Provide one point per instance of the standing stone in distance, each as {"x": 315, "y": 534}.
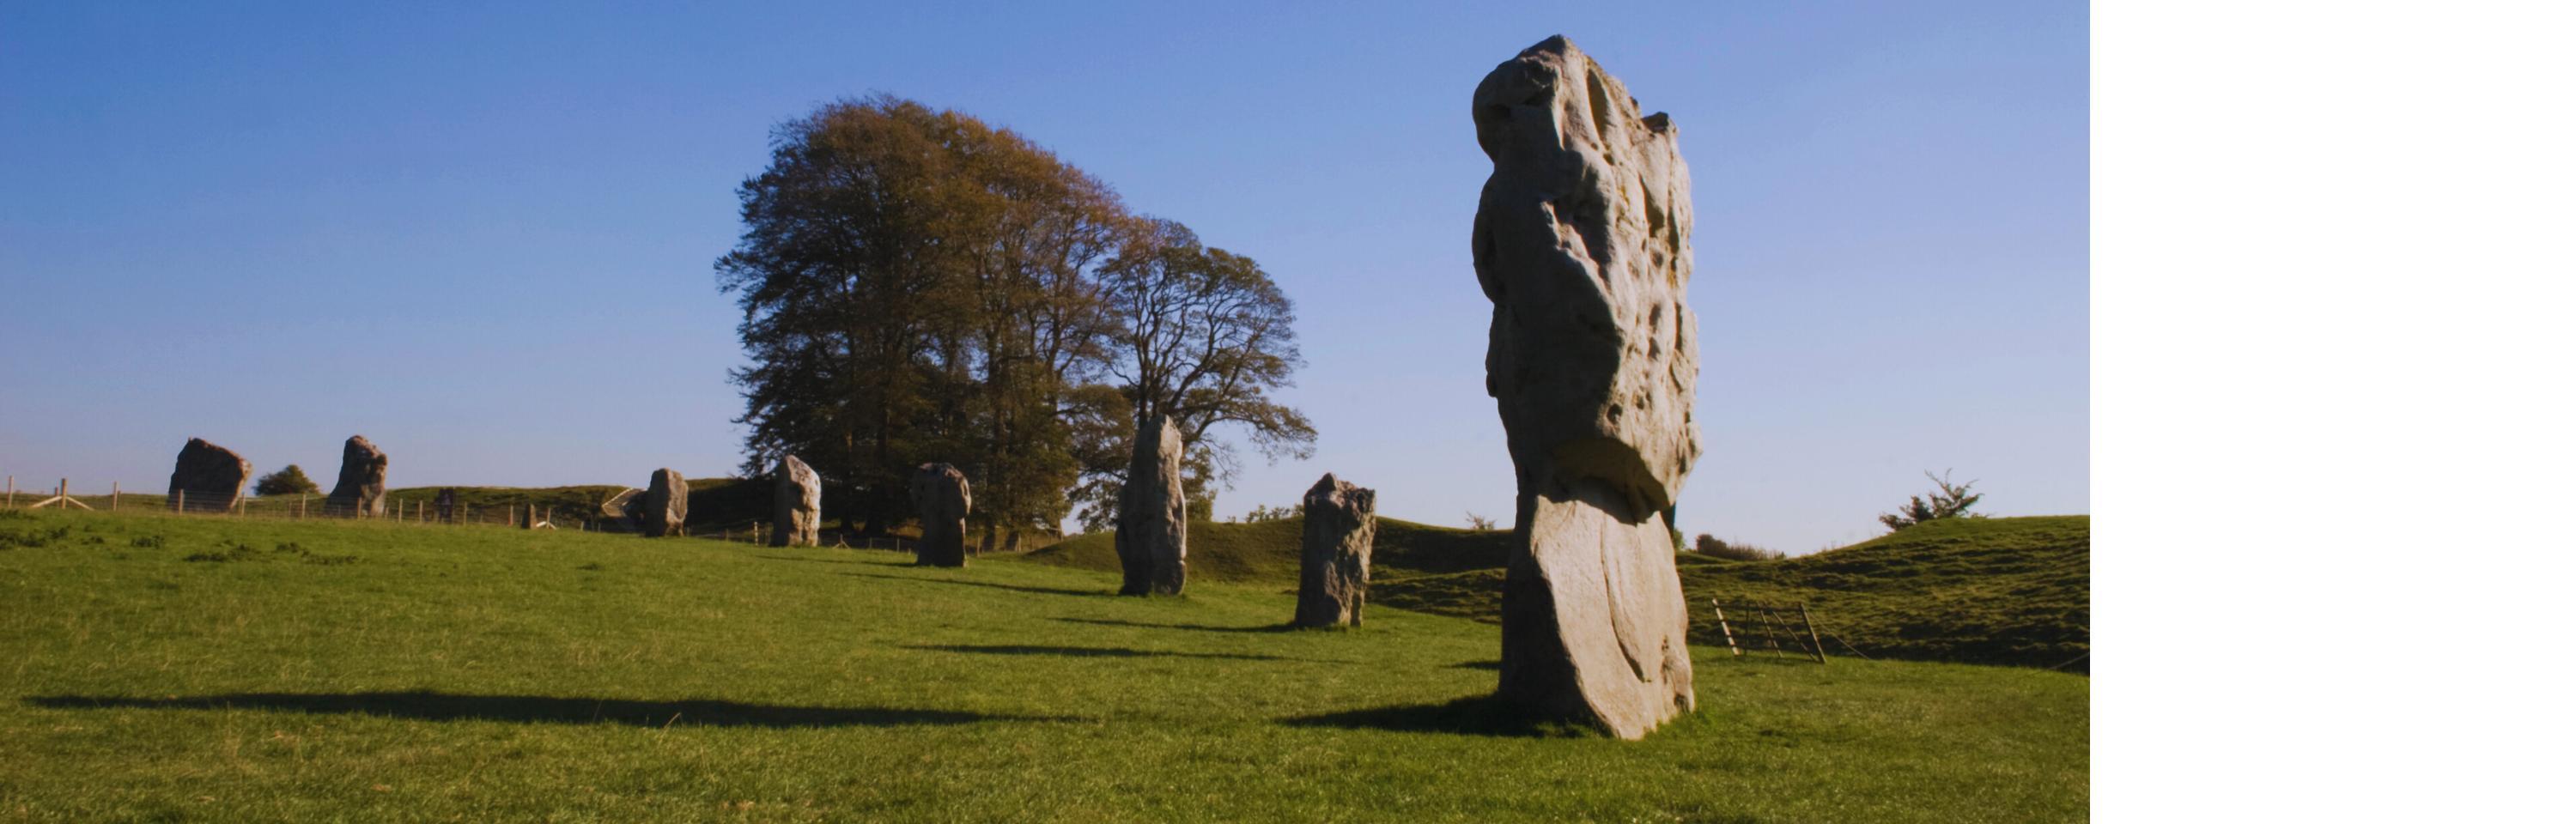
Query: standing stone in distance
{"x": 1341, "y": 529}
{"x": 446, "y": 505}
{"x": 208, "y": 478}
{"x": 361, "y": 490}
{"x": 1582, "y": 242}
{"x": 796, "y": 511}
{"x": 1153, "y": 513}
{"x": 941, "y": 493}
{"x": 663, "y": 509}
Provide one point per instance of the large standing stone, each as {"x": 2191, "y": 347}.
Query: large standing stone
{"x": 1582, "y": 242}
{"x": 1153, "y": 513}
{"x": 796, "y": 510}
{"x": 361, "y": 490}
{"x": 1341, "y": 527}
{"x": 663, "y": 509}
{"x": 207, "y": 478}
{"x": 941, "y": 493}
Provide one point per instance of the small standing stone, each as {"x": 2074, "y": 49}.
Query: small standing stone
{"x": 941, "y": 493}
{"x": 208, "y": 477}
{"x": 1153, "y": 513}
{"x": 447, "y": 505}
{"x": 1341, "y": 527}
{"x": 361, "y": 489}
{"x": 663, "y": 509}
{"x": 796, "y": 513}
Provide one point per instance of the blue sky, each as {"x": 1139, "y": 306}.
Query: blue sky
{"x": 481, "y": 234}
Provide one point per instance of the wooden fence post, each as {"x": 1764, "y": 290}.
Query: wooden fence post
{"x": 115, "y": 491}
{"x": 1723, "y": 629}
{"x": 179, "y": 502}
{"x": 1818, "y": 644}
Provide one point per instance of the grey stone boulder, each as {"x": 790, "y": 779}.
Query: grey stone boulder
{"x": 207, "y": 478}
{"x": 940, "y": 492}
{"x": 622, "y": 505}
{"x": 361, "y": 489}
{"x": 1582, "y": 242}
{"x": 1341, "y": 530}
{"x": 663, "y": 509}
{"x": 796, "y": 509}
{"x": 1153, "y": 513}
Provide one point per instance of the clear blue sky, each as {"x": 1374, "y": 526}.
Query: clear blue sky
{"x": 481, "y": 234}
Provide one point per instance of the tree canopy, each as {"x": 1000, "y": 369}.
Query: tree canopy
{"x": 917, "y": 286}
{"x": 288, "y": 481}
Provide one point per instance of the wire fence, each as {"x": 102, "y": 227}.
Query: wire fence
{"x": 547, "y": 510}
{"x": 413, "y": 508}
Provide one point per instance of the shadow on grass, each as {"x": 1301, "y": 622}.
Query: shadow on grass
{"x": 1104, "y": 652}
{"x": 1488, "y": 666}
{"x": 824, "y": 560}
{"x": 438, "y": 706}
{"x": 1109, "y": 622}
{"x": 1011, "y": 587}
{"x": 1475, "y": 715}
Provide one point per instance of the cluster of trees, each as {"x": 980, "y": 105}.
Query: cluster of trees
{"x": 1260, "y": 514}
{"x": 288, "y": 481}
{"x": 917, "y": 286}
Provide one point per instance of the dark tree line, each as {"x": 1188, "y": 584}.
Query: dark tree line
{"x": 919, "y": 286}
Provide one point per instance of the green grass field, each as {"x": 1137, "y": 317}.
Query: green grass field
{"x": 173, "y": 668}
{"x": 1979, "y": 590}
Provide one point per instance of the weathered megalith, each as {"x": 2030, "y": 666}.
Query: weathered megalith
{"x": 207, "y": 478}
{"x": 941, "y": 493}
{"x": 1153, "y": 513}
{"x": 1341, "y": 527}
{"x": 1582, "y": 241}
{"x": 446, "y": 505}
{"x": 663, "y": 509}
{"x": 361, "y": 490}
{"x": 796, "y": 511}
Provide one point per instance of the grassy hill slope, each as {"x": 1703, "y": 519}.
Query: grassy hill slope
{"x": 166, "y": 668}
{"x": 1983, "y": 590}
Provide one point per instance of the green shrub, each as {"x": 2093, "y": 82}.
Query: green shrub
{"x": 288, "y": 481}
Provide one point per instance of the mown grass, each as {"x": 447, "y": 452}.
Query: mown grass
{"x": 451, "y": 673}
{"x": 1983, "y": 590}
